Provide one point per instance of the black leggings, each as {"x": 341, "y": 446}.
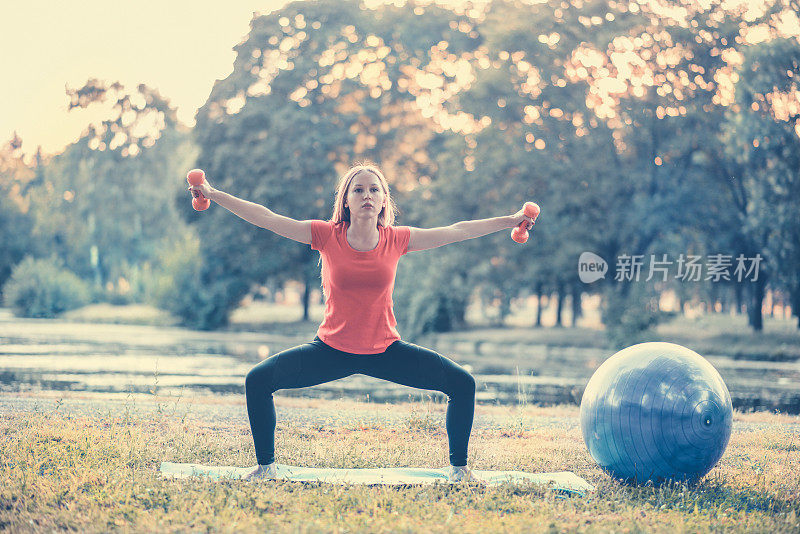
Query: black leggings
{"x": 403, "y": 363}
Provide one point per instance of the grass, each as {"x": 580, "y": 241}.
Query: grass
{"x": 100, "y": 473}
{"x": 141, "y": 314}
{"x": 731, "y": 336}
{"x": 60, "y": 471}
{"x": 717, "y": 334}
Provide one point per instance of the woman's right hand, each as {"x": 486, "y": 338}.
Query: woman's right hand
{"x": 204, "y": 189}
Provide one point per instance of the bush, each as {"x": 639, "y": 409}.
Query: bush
{"x": 175, "y": 273}
{"x": 198, "y": 288}
{"x": 428, "y": 313}
{"x": 630, "y": 316}
{"x": 428, "y": 298}
{"x": 44, "y": 288}
{"x": 178, "y": 286}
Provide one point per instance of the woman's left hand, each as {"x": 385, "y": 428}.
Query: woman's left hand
{"x": 519, "y": 217}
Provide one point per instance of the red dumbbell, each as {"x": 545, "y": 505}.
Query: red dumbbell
{"x": 520, "y": 232}
{"x": 195, "y": 178}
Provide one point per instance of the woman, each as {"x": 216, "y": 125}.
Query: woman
{"x": 359, "y": 249}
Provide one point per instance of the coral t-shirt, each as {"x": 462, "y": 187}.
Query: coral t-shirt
{"x": 358, "y": 287}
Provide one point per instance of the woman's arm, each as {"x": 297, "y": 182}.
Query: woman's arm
{"x": 426, "y": 238}
{"x": 249, "y": 211}
{"x": 258, "y": 215}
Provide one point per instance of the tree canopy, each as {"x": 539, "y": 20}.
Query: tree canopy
{"x": 666, "y": 128}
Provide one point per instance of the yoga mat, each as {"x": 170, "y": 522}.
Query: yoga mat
{"x": 564, "y": 481}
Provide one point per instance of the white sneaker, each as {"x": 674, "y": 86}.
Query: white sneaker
{"x": 262, "y": 472}
{"x": 463, "y": 474}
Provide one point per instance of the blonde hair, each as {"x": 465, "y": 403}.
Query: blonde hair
{"x": 341, "y": 213}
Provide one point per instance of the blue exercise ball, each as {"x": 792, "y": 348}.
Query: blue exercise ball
{"x": 656, "y": 412}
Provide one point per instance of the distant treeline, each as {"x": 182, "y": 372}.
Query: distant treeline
{"x": 662, "y": 138}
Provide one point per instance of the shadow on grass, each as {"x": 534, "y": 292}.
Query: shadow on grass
{"x": 710, "y": 495}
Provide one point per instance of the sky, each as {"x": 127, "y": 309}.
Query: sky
{"x": 179, "y": 47}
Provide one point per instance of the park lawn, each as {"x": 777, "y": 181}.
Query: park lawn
{"x": 100, "y": 473}
{"x": 104, "y": 312}
{"x": 715, "y": 334}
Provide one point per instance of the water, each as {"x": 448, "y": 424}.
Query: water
{"x": 58, "y": 355}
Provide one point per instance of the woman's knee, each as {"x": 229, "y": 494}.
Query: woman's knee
{"x": 279, "y": 371}
{"x": 462, "y": 382}
{"x": 258, "y": 378}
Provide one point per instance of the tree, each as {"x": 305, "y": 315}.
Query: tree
{"x": 315, "y": 87}
{"x": 105, "y": 202}
{"x": 15, "y": 219}
{"x": 609, "y": 114}
{"x": 537, "y": 140}
{"x": 763, "y": 131}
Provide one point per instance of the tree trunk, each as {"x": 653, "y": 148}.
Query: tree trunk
{"x": 307, "y": 301}
{"x": 505, "y": 308}
{"x": 459, "y": 309}
{"x": 560, "y": 308}
{"x": 714, "y": 298}
{"x": 794, "y": 298}
{"x": 539, "y": 298}
{"x": 272, "y": 286}
{"x": 737, "y": 290}
{"x": 577, "y": 305}
{"x": 756, "y": 302}
{"x": 771, "y": 311}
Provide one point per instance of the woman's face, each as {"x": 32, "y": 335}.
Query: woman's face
{"x": 365, "y": 197}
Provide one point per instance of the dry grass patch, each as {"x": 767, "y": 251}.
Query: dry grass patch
{"x": 62, "y": 472}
